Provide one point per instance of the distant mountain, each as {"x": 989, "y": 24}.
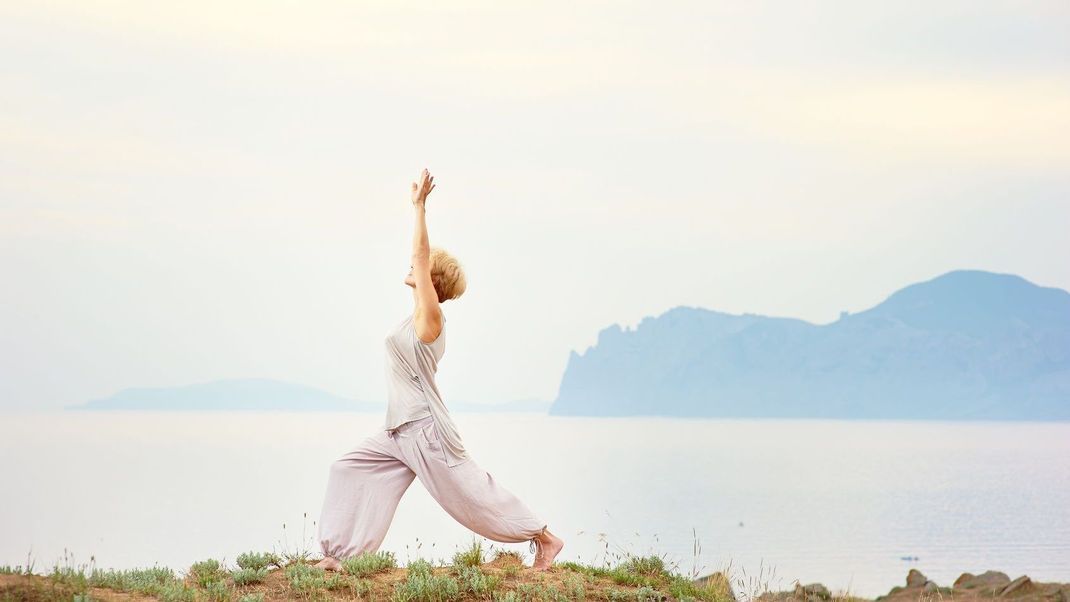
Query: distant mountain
{"x": 968, "y": 344}
{"x": 233, "y": 394}
{"x": 267, "y": 394}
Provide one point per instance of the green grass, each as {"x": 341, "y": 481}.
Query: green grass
{"x": 470, "y": 556}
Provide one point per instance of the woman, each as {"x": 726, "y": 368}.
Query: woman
{"x": 418, "y": 438}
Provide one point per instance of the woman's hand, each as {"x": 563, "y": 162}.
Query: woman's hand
{"x": 424, "y": 188}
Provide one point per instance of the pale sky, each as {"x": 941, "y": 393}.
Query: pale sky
{"x": 194, "y": 191}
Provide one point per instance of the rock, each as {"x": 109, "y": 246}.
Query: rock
{"x": 775, "y": 597}
{"x": 931, "y": 587}
{"x": 988, "y": 582}
{"x": 1021, "y": 585}
{"x": 812, "y": 592}
{"x": 916, "y": 579}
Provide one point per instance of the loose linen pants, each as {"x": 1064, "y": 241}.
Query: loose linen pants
{"x": 365, "y": 486}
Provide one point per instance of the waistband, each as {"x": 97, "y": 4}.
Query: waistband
{"x": 410, "y": 426}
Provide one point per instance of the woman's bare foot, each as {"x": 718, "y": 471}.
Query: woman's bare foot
{"x": 329, "y": 564}
{"x": 549, "y": 546}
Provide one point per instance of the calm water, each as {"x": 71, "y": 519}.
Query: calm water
{"x": 840, "y": 502}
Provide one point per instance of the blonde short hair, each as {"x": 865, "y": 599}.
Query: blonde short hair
{"x": 447, "y": 275}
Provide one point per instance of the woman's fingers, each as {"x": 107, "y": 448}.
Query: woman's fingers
{"x": 426, "y": 185}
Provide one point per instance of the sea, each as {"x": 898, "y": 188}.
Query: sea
{"x": 851, "y": 504}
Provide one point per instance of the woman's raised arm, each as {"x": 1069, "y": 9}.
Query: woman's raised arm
{"x": 427, "y": 317}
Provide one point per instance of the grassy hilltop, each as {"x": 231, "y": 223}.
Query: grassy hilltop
{"x": 475, "y": 574}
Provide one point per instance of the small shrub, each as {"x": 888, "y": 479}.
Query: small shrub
{"x": 538, "y": 591}
{"x": 369, "y": 563}
{"x": 473, "y": 580}
{"x": 275, "y": 559}
{"x": 575, "y": 587}
{"x": 305, "y": 578}
{"x": 334, "y": 581}
{"x": 217, "y": 591}
{"x": 362, "y": 587}
{"x": 642, "y": 595}
{"x": 252, "y": 560}
{"x": 422, "y": 585}
{"x": 206, "y": 572}
{"x": 419, "y": 567}
{"x": 177, "y": 592}
{"x": 247, "y": 576}
{"x": 648, "y": 594}
{"x": 254, "y": 597}
{"x": 146, "y": 581}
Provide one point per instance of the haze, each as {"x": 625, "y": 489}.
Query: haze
{"x": 193, "y": 191}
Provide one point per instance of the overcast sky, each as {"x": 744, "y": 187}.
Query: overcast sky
{"x": 193, "y": 191}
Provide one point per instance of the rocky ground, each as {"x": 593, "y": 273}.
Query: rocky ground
{"x": 989, "y": 585}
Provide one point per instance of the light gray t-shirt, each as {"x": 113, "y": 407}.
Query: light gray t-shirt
{"x": 412, "y": 394}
